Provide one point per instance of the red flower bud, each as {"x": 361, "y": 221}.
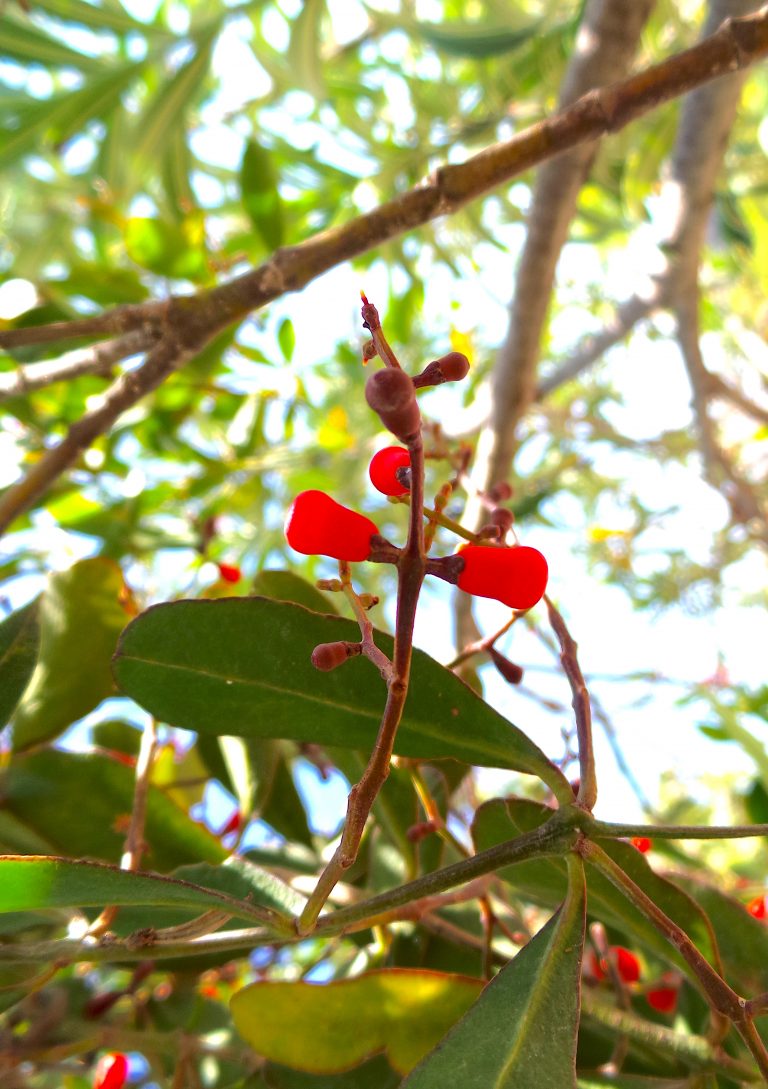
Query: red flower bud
{"x": 111, "y": 1071}
{"x": 229, "y": 572}
{"x": 756, "y": 907}
{"x": 515, "y": 576}
{"x": 663, "y": 999}
{"x": 327, "y": 656}
{"x": 448, "y": 368}
{"x": 390, "y": 392}
{"x": 642, "y": 843}
{"x": 510, "y": 671}
{"x": 627, "y": 965}
{"x": 319, "y": 526}
{"x": 384, "y": 466}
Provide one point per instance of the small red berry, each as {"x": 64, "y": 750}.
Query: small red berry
{"x": 383, "y": 467}
{"x": 663, "y": 999}
{"x": 229, "y": 572}
{"x": 111, "y": 1071}
{"x": 756, "y": 907}
{"x": 627, "y": 965}
{"x": 642, "y": 843}
{"x": 319, "y": 526}
{"x": 515, "y": 576}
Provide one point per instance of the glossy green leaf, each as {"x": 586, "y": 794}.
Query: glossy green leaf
{"x": 476, "y": 40}
{"x": 81, "y": 616}
{"x": 101, "y": 17}
{"x": 375, "y": 1074}
{"x": 19, "y": 644}
{"x": 631, "y": 1081}
{"x": 34, "y": 883}
{"x": 305, "y": 46}
{"x": 308, "y": 1026}
{"x": 78, "y": 805}
{"x": 544, "y": 881}
{"x": 521, "y": 1033}
{"x": 286, "y": 586}
{"x": 241, "y": 879}
{"x": 246, "y": 663}
{"x": 164, "y": 112}
{"x": 286, "y": 338}
{"x": 259, "y": 194}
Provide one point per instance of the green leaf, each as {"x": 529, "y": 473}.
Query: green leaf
{"x": 286, "y": 338}
{"x": 246, "y": 663}
{"x": 304, "y": 48}
{"x": 81, "y": 616}
{"x": 544, "y": 880}
{"x": 104, "y": 17}
{"x": 243, "y": 880}
{"x": 176, "y": 250}
{"x": 163, "y": 113}
{"x": 521, "y": 1033}
{"x": 375, "y": 1074}
{"x": 260, "y": 195}
{"x": 630, "y": 1081}
{"x": 285, "y": 586}
{"x": 476, "y": 40}
{"x": 19, "y": 643}
{"x": 276, "y": 799}
{"x": 33, "y": 883}
{"x": 399, "y": 1011}
{"x": 22, "y": 41}
{"x": 79, "y": 804}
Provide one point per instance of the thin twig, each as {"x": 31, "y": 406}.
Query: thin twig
{"x": 369, "y": 648}
{"x": 587, "y": 795}
{"x": 98, "y": 360}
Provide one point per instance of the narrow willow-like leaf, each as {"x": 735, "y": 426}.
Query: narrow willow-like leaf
{"x": 31, "y": 883}
{"x": 259, "y": 194}
{"x": 173, "y": 98}
{"x": 242, "y": 666}
{"x": 19, "y": 643}
{"x": 304, "y": 48}
{"x": 521, "y": 1033}
{"x": 21, "y": 40}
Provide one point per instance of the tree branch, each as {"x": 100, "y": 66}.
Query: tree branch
{"x": 99, "y": 360}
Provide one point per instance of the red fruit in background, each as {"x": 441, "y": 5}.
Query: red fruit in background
{"x": 383, "y": 467}
{"x": 319, "y": 526}
{"x": 229, "y": 572}
{"x": 642, "y": 843}
{"x": 627, "y": 965}
{"x": 663, "y": 999}
{"x": 515, "y": 576}
{"x": 234, "y": 824}
{"x": 111, "y": 1071}
{"x": 756, "y": 907}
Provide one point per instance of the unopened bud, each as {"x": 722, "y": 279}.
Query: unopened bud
{"x": 369, "y": 351}
{"x": 328, "y": 656}
{"x": 500, "y": 492}
{"x": 510, "y": 671}
{"x": 449, "y": 368}
{"x": 390, "y": 393}
{"x": 334, "y": 585}
{"x": 368, "y": 601}
{"x": 420, "y": 831}
{"x": 489, "y": 533}
{"x": 502, "y": 518}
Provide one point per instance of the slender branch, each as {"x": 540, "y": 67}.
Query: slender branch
{"x": 594, "y": 346}
{"x": 145, "y": 316}
{"x": 608, "y": 830}
{"x": 369, "y": 648}
{"x": 98, "y": 360}
{"x": 726, "y": 392}
{"x": 587, "y": 795}
{"x": 411, "y": 568}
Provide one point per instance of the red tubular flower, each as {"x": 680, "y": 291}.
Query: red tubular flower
{"x": 384, "y": 466}
{"x": 627, "y": 965}
{"x": 515, "y": 576}
{"x": 642, "y": 843}
{"x": 319, "y": 526}
{"x": 111, "y": 1071}
{"x": 663, "y": 999}
{"x": 756, "y": 907}
{"x": 229, "y": 572}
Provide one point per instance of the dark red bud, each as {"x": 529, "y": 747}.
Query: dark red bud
{"x": 502, "y": 518}
{"x": 500, "y": 492}
{"x": 328, "y": 656}
{"x": 390, "y": 393}
{"x": 449, "y": 368}
{"x": 510, "y": 671}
